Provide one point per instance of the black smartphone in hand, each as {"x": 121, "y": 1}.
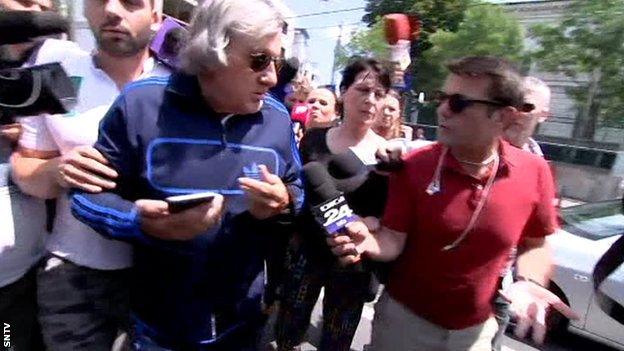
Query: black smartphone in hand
{"x": 183, "y": 202}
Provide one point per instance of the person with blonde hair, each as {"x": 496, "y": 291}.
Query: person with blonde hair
{"x": 389, "y": 122}
{"x": 322, "y": 108}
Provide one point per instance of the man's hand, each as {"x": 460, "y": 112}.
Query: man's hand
{"x": 157, "y": 221}
{"x": 389, "y": 153}
{"x": 11, "y": 132}
{"x": 407, "y": 131}
{"x": 350, "y": 245}
{"x": 85, "y": 168}
{"x": 529, "y": 304}
{"x": 389, "y": 157}
{"x": 268, "y": 197}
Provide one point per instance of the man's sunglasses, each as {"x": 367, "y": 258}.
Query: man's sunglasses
{"x": 457, "y": 102}
{"x": 260, "y": 61}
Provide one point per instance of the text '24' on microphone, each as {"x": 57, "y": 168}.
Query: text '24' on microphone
{"x": 329, "y": 206}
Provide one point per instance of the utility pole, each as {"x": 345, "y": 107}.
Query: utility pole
{"x": 336, "y": 48}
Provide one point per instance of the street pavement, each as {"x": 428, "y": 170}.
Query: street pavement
{"x": 569, "y": 342}
{"x": 362, "y": 337}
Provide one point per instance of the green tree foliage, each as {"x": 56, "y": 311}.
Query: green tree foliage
{"x": 588, "y": 45}
{"x": 368, "y": 42}
{"x": 486, "y": 30}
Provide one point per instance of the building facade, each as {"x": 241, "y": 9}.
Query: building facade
{"x": 589, "y": 170}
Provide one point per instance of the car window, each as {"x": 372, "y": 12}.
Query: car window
{"x": 594, "y": 221}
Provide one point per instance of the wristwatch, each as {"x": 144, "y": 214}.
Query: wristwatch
{"x": 525, "y": 279}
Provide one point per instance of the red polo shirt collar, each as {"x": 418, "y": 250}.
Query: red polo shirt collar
{"x": 507, "y": 160}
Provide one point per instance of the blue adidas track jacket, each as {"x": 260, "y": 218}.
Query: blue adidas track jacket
{"x": 164, "y": 140}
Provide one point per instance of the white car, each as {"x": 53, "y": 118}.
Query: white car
{"x": 587, "y": 231}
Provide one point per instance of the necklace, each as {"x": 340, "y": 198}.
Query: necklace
{"x": 435, "y": 187}
{"x": 485, "y": 162}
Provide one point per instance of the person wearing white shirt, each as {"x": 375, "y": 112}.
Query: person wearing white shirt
{"x": 22, "y": 217}
{"x": 83, "y": 284}
{"x": 519, "y": 133}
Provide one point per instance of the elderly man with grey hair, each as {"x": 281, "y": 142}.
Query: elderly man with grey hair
{"x": 198, "y": 276}
{"x": 519, "y": 133}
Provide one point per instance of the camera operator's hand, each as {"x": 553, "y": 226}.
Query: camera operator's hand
{"x": 85, "y": 168}
{"x": 268, "y": 197}
{"x": 157, "y": 221}
{"x": 11, "y": 132}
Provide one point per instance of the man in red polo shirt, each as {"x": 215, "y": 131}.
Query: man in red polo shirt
{"x": 453, "y": 214}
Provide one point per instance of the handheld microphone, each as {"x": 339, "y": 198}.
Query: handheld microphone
{"x": 398, "y": 34}
{"x": 347, "y": 164}
{"x": 399, "y": 30}
{"x": 366, "y": 191}
{"x": 300, "y": 113}
{"x": 397, "y": 27}
{"x": 21, "y": 26}
{"x": 348, "y": 171}
{"x": 329, "y": 205}
{"x": 288, "y": 72}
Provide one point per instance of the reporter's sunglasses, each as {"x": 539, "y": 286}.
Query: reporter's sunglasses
{"x": 260, "y": 61}
{"x": 457, "y": 102}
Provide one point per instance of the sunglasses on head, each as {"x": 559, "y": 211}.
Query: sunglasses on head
{"x": 457, "y": 102}
{"x": 260, "y": 61}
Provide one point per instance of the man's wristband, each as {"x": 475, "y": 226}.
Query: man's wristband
{"x": 525, "y": 279}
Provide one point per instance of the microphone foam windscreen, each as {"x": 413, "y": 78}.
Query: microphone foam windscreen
{"x": 397, "y": 27}
{"x": 289, "y": 71}
{"x": 318, "y": 183}
{"x": 20, "y": 26}
{"x": 346, "y": 165}
{"x": 300, "y": 113}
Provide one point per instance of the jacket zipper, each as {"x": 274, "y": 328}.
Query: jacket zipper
{"x": 224, "y": 129}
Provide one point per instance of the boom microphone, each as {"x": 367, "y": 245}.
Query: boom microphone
{"x": 21, "y": 26}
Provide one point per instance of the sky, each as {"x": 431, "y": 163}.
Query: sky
{"x": 323, "y": 40}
